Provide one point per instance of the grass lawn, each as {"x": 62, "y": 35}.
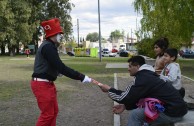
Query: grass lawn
{"x": 187, "y": 67}
{"x": 18, "y": 72}
{"x": 17, "y": 103}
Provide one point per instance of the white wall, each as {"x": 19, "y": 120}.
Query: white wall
{"x": 103, "y": 45}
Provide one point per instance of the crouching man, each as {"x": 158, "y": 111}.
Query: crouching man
{"x": 149, "y": 99}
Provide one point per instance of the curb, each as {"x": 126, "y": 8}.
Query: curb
{"x": 187, "y": 78}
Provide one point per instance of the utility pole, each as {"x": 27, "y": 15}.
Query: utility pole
{"x": 99, "y": 38}
{"x": 131, "y": 36}
{"x": 78, "y": 31}
{"x": 131, "y": 40}
{"x": 136, "y": 27}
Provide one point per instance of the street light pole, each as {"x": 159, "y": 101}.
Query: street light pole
{"x": 99, "y": 38}
{"x": 131, "y": 40}
{"x": 78, "y": 31}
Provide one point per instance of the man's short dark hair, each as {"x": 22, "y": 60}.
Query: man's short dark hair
{"x": 172, "y": 52}
{"x": 136, "y": 60}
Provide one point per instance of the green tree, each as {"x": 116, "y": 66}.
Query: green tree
{"x": 20, "y": 20}
{"x": 71, "y": 44}
{"x": 116, "y": 35}
{"x": 173, "y": 19}
{"x": 5, "y": 15}
{"x": 16, "y": 26}
{"x": 58, "y": 9}
{"x": 93, "y": 37}
{"x": 34, "y": 20}
{"x": 20, "y": 27}
{"x": 145, "y": 47}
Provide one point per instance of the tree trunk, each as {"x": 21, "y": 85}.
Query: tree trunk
{"x": 2, "y": 49}
{"x": 12, "y": 51}
{"x": 17, "y": 48}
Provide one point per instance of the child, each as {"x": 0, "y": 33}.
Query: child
{"x": 171, "y": 71}
{"x": 160, "y": 46}
{"x": 27, "y": 51}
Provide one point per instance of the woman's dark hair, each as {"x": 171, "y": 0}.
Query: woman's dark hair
{"x": 136, "y": 60}
{"x": 172, "y": 52}
{"x": 162, "y": 43}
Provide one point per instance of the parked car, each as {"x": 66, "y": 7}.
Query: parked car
{"x": 124, "y": 53}
{"x": 122, "y": 47}
{"x": 105, "y": 50}
{"x": 108, "y": 54}
{"x": 188, "y": 54}
{"x": 111, "y": 54}
{"x": 21, "y": 51}
{"x": 114, "y": 50}
{"x": 70, "y": 54}
{"x": 105, "y": 54}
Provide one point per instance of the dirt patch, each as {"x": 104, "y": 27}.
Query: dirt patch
{"x": 86, "y": 107}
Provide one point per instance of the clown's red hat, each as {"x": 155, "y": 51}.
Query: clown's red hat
{"x": 52, "y": 27}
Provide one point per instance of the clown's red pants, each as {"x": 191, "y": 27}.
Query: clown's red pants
{"x": 45, "y": 93}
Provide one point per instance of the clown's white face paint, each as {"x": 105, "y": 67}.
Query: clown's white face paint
{"x": 59, "y": 38}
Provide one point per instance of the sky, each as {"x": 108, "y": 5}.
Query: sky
{"x": 114, "y": 15}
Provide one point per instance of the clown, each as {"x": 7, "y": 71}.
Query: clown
{"x": 47, "y": 67}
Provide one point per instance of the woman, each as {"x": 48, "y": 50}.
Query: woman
{"x": 160, "y": 46}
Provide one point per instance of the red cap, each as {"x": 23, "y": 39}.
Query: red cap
{"x": 52, "y": 27}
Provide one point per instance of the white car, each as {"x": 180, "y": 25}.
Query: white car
{"x": 112, "y": 54}
{"x": 108, "y": 54}
{"x": 105, "y": 54}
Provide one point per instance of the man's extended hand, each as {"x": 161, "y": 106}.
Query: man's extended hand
{"x": 103, "y": 87}
{"x": 118, "y": 109}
